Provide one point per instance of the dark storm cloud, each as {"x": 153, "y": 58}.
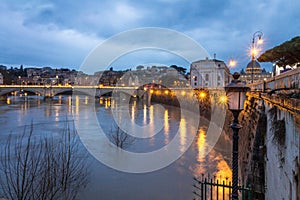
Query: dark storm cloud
{"x": 64, "y": 32}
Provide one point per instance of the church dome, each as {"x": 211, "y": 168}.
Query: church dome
{"x": 253, "y": 64}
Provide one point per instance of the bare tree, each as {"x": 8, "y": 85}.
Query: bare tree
{"x": 120, "y": 138}
{"x": 43, "y": 168}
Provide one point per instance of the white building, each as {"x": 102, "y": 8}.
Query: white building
{"x": 209, "y": 73}
{"x": 1, "y": 79}
{"x": 279, "y": 70}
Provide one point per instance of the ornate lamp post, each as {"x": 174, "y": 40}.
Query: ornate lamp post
{"x": 257, "y": 34}
{"x": 236, "y": 95}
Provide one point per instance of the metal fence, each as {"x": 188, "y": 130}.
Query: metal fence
{"x": 215, "y": 189}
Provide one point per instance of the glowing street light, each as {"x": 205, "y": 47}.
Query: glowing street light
{"x": 232, "y": 63}
{"x": 260, "y": 40}
{"x": 254, "y": 51}
{"x": 236, "y": 94}
{"x": 202, "y": 95}
{"x": 223, "y": 99}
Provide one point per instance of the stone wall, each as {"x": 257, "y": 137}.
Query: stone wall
{"x": 269, "y": 146}
{"x": 269, "y": 151}
{"x": 282, "y": 155}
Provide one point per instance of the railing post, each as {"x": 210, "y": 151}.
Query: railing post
{"x": 211, "y": 189}
{"x": 217, "y": 189}
{"x": 205, "y": 183}
{"x": 223, "y": 190}
{"x": 202, "y": 195}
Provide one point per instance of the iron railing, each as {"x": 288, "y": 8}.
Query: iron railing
{"x": 215, "y": 189}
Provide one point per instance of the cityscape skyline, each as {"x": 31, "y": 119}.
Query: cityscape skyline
{"x": 61, "y": 34}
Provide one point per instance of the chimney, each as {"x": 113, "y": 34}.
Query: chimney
{"x": 215, "y": 55}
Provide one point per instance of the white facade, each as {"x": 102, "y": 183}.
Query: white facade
{"x": 1, "y": 79}
{"x": 283, "y": 162}
{"x": 280, "y": 70}
{"x": 209, "y": 73}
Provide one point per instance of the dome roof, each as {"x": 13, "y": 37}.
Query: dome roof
{"x": 253, "y": 64}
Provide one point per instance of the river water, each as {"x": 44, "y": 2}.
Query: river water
{"x": 171, "y": 182}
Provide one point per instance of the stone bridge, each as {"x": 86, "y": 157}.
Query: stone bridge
{"x": 50, "y": 91}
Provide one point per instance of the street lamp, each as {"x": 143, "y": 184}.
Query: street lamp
{"x": 236, "y": 96}
{"x": 258, "y": 35}
{"x": 232, "y": 63}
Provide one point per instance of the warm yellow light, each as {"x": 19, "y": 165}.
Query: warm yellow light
{"x": 223, "y": 99}
{"x": 260, "y": 41}
{"x": 202, "y": 94}
{"x": 166, "y": 92}
{"x": 183, "y": 93}
{"x": 232, "y": 63}
{"x": 8, "y": 101}
{"x": 145, "y": 88}
{"x": 254, "y": 52}
{"x": 151, "y": 91}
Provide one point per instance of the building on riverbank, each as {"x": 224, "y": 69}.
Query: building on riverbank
{"x": 254, "y": 73}
{"x": 1, "y": 79}
{"x": 209, "y": 73}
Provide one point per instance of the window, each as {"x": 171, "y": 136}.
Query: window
{"x": 195, "y": 83}
{"x": 219, "y": 78}
{"x": 206, "y": 77}
{"x": 195, "y": 78}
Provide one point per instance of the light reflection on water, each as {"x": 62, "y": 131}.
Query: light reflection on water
{"x": 182, "y": 134}
{"x": 166, "y": 126}
{"x": 173, "y": 182}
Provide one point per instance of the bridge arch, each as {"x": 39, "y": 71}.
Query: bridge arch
{"x": 32, "y": 90}
{"x": 7, "y": 91}
{"x": 57, "y": 91}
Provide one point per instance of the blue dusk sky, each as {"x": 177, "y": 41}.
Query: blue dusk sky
{"x": 62, "y": 33}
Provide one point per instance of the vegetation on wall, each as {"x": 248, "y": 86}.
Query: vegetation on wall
{"x": 278, "y": 127}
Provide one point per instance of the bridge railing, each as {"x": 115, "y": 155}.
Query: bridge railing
{"x": 67, "y": 86}
{"x": 284, "y": 81}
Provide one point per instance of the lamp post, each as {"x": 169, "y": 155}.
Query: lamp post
{"x": 257, "y": 34}
{"x": 236, "y": 96}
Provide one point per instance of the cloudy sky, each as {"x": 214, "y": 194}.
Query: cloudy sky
{"x": 62, "y": 33}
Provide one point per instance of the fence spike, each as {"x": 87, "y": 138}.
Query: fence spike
{"x": 197, "y": 187}
{"x": 196, "y": 193}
